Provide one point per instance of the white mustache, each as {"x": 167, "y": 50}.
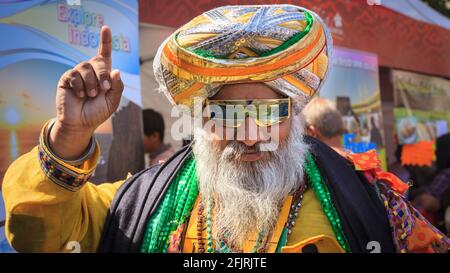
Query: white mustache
{"x": 234, "y": 150}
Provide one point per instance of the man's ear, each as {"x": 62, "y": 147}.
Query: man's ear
{"x": 155, "y": 136}
{"x": 311, "y": 130}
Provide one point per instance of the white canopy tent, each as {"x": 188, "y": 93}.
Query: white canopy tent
{"x": 418, "y": 10}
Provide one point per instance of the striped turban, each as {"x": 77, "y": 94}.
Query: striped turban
{"x": 284, "y": 46}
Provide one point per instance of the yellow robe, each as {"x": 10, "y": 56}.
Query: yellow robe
{"x": 44, "y": 217}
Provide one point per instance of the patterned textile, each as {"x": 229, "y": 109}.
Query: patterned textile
{"x": 175, "y": 239}
{"x": 61, "y": 173}
{"x": 410, "y": 230}
{"x": 285, "y": 46}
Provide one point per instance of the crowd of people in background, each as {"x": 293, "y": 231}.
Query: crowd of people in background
{"x": 430, "y": 191}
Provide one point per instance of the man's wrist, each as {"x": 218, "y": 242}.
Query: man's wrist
{"x": 68, "y": 143}
{"x": 69, "y": 174}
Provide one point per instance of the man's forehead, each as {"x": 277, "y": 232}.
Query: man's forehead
{"x": 246, "y": 91}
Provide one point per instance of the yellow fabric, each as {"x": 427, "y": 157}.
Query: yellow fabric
{"x": 312, "y": 226}
{"x": 323, "y": 243}
{"x": 311, "y": 220}
{"x": 44, "y": 217}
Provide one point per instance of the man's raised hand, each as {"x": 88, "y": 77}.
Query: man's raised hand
{"x": 86, "y": 96}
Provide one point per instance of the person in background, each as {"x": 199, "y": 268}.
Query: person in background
{"x": 375, "y": 133}
{"x": 324, "y": 122}
{"x": 398, "y": 169}
{"x": 154, "y": 146}
{"x": 434, "y": 196}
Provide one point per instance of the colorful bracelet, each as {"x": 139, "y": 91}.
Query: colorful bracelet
{"x": 77, "y": 162}
{"x": 71, "y": 175}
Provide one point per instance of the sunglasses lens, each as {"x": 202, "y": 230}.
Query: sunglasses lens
{"x": 267, "y": 122}
{"x": 233, "y": 113}
{"x": 272, "y": 114}
{"x": 225, "y": 115}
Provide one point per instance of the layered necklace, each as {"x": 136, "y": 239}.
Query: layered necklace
{"x": 223, "y": 246}
{"x": 165, "y": 228}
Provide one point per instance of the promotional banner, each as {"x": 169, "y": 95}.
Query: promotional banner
{"x": 41, "y": 39}
{"x": 353, "y": 84}
{"x": 421, "y": 106}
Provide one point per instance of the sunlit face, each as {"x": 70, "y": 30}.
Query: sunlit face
{"x": 248, "y": 91}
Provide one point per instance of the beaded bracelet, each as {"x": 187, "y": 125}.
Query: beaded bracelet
{"x": 78, "y": 161}
{"x": 62, "y": 172}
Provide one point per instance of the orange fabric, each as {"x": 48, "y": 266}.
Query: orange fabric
{"x": 423, "y": 239}
{"x": 418, "y": 154}
{"x": 188, "y": 92}
{"x": 299, "y": 84}
{"x": 241, "y": 71}
{"x": 365, "y": 161}
{"x": 371, "y": 165}
{"x": 394, "y": 182}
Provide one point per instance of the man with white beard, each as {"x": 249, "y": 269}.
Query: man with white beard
{"x": 249, "y": 193}
{"x": 221, "y": 194}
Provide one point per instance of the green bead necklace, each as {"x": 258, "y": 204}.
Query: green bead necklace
{"x": 173, "y": 211}
{"x": 322, "y": 193}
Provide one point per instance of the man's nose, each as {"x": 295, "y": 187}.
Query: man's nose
{"x": 249, "y": 133}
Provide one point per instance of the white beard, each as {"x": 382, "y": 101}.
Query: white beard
{"x": 248, "y": 195}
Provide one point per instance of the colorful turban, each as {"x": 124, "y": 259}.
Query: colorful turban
{"x": 285, "y": 46}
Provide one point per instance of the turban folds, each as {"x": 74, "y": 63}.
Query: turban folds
{"x": 285, "y": 46}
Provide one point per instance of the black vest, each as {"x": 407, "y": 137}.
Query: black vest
{"x": 363, "y": 216}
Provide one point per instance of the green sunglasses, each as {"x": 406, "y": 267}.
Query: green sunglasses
{"x": 265, "y": 112}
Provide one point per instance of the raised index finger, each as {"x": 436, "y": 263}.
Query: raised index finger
{"x": 105, "y": 48}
